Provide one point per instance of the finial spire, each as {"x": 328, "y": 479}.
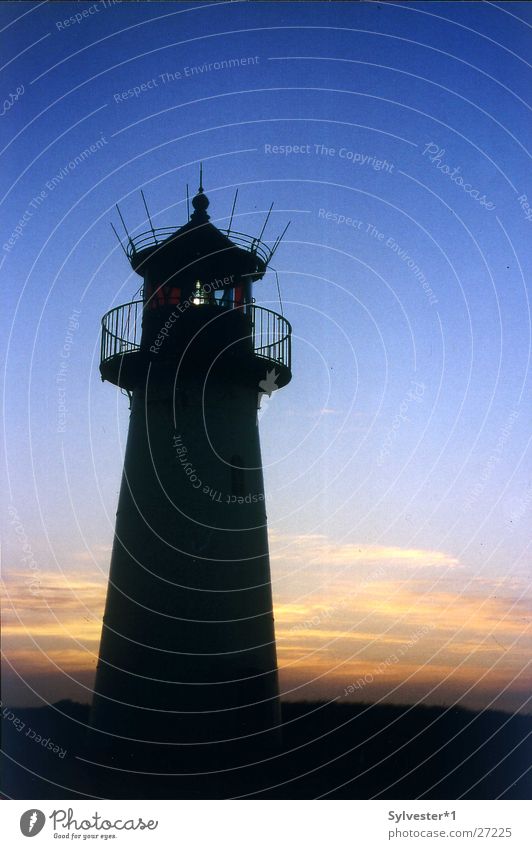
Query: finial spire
{"x": 200, "y": 202}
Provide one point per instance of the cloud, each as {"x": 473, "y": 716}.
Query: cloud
{"x": 355, "y": 621}
{"x": 336, "y": 625}
{"x": 95, "y": 554}
{"x": 319, "y": 549}
{"x": 52, "y": 618}
{"x": 52, "y": 591}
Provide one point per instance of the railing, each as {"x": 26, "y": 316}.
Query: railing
{"x": 154, "y": 238}
{"x": 271, "y": 333}
{"x": 121, "y": 330}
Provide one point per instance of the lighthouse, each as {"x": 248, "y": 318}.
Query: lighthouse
{"x": 187, "y": 660}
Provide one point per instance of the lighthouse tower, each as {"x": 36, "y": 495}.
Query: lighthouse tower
{"x": 187, "y": 653}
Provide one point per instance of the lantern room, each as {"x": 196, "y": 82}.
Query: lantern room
{"x": 197, "y": 302}
{"x": 198, "y": 262}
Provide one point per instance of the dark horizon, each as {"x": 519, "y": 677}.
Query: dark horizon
{"x": 335, "y": 751}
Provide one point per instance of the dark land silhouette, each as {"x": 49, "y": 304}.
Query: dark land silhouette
{"x": 340, "y": 751}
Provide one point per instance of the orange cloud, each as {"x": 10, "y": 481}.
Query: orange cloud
{"x": 317, "y": 548}
{"x": 409, "y": 629}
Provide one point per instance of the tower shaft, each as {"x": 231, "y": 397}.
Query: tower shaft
{"x": 188, "y": 647}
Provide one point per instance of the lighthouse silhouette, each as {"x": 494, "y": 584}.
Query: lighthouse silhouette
{"x": 187, "y": 659}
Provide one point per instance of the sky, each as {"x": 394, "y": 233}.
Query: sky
{"x": 398, "y": 460}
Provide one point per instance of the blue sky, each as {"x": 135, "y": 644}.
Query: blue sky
{"x": 406, "y": 426}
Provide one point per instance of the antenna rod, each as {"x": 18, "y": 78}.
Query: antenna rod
{"x": 279, "y": 240}
{"x": 122, "y": 220}
{"x": 279, "y": 291}
{"x": 188, "y": 204}
{"x": 232, "y": 211}
{"x": 147, "y": 212}
{"x": 200, "y": 177}
{"x": 264, "y": 225}
{"x": 119, "y": 240}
